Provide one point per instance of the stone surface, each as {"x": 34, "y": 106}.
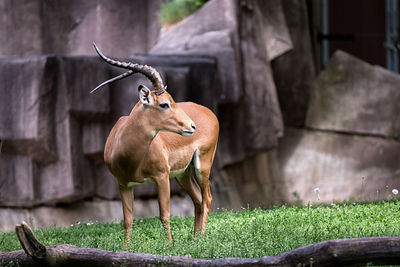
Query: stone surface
{"x": 353, "y": 96}
{"x": 219, "y": 26}
{"x": 294, "y": 71}
{"x": 232, "y": 142}
{"x": 271, "y": 19}
{"x": 18, "y": 178}
{"x": 77, "y": 77}
{"x": 248, "y": 184}
{"x": 209, "y": 32}
{"x": 88, "y": 212}
{"x": 67, "y": 27}
{"x": 10, "y": 217}
{"x": 70, "y": 178}
{"x": 263, "y": 116}
{"x": 213, "y": 19}
{"x": 106, "y": 185}
{"x": 48, "y": 99}
{"x": 94, "y": 136}
{"x": 113, "y": 24}
{"x": 343, "y": 167}
{"x": 28, "y": 88}
{"x": 20, "y": 27}
{"x": 83, "y": 212}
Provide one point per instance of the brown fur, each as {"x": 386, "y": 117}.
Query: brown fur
{"x": 132, "y": 153}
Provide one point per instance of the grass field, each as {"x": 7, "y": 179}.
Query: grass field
{"x": 247, "y": 233}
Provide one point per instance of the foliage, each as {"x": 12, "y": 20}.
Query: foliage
{"x": 175, "y": 10}
{"x": 247, "y": 233}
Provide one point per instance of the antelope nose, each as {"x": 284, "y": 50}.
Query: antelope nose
{"x": 193, "y": 126}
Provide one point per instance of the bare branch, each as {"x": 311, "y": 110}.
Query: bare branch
{"x": 29, "y": 243}
{"x": 341, "y": 252}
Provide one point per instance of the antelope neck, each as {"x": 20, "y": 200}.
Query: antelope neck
{"x": 138, "y": 136}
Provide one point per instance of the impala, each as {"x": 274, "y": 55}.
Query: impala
{"x": 159, "y": 140}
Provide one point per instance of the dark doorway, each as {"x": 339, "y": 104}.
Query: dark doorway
{"x": 359, "y": 28}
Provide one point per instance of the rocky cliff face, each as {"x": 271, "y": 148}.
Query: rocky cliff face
{"x": 62, "y": 27}
{"x": 245, "y": 39}
{"x": 54, "y": 131}
{"x": 350, "y": 148}
{"x": 342, "y": 127}
{"x": 284, "y": 131}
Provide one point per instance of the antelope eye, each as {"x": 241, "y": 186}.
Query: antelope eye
{"x": 164, "y": 105}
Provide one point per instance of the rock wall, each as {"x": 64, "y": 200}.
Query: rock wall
{"x": 341, "y": 130}
{"x": 244, "y": 40}
{"x": 284, "y": 132}
{"x": 350, "y": 147}
{"x": 68, "y": 27}
{"x": 89, "y": 211}
{"x": 294, "y": 72}
{"x": 54, "y": 131}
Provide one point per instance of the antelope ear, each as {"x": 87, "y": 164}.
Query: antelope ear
{"x": 145, "y": 95}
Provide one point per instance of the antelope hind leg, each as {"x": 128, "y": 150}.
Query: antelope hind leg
{"x": 206, "y": 200}
{"x": 192, "y": 188}
{"x": 202, "y": 165}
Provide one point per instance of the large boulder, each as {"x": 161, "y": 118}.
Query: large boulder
{"x": 344, "y": 167}
{"x": 353, "y": 96}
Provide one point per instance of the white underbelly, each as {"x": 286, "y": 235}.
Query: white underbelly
{"x": 173, "y": 174}
{"x": 177, "y": 173}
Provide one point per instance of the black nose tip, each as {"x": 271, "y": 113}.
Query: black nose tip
{"x": 193, "y": 126}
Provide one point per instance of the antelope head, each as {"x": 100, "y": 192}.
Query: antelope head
{"x": 158, "y": 106}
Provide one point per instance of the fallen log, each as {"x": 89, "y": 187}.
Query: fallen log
{"x": 340, "y": 252}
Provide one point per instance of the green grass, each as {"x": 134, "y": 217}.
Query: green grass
{"x": 175, "y": 10}
{"x": 248, "y": 233}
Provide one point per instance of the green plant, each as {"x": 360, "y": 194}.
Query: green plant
{"x": 175, "y": 10}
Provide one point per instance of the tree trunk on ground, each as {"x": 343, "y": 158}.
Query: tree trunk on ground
{"x": 341, "y": 252}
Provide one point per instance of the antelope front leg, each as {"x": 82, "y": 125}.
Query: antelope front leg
{"x": 127, "y": 208}
{"x": 163, "y": 202}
